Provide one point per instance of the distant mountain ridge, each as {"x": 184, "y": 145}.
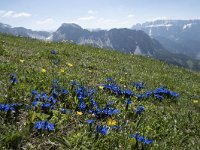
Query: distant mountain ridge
{"x": 177, "y": 36}
{"x": 125, "y": 40}
{"x": 21, "y": 31}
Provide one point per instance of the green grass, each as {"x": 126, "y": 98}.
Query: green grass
{"x": 172, "y": 124}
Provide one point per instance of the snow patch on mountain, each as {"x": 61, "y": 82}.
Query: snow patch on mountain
{"x": 50, "y": 38}
{"x": 158, "y": 25}
{"x": 187, "y": 26}
{"x": 138, "y": 51}
{"x": 98, "y": 42}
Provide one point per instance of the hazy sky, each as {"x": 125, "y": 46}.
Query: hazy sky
{"x": 105, "y": 14}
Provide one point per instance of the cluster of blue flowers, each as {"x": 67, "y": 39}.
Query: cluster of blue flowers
{"x": 107, "y": 111}
{"x": 160, "y": 92}
{"x": 44, "y": 125}
{"x": 7, "y": 107}
{"x": 141, "y": 139}
{"x": 49, "y": 101}
{"x": 117, "y": 90}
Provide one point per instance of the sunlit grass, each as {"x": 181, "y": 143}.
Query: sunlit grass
{"x": 173, "y": 123}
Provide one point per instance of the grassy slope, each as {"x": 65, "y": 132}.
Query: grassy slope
{"x": 171, "y": 125}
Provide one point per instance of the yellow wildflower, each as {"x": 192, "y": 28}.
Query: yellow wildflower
{"x": 111, "y": 122}
{"x": 69, "y": 65}
{"x": 133, "y": 141}
{"x": 79, "y": 113}
{"x": 62, "y": 70}
{"x": 101, "y": 87}
{"x": 195, "y": 101}
{"x": 21, "y": 60}
{"x": 43, "y": 70}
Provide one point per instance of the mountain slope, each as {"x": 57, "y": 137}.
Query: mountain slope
{"x": 170, "y": 123}
{"x": 178, "y": 36}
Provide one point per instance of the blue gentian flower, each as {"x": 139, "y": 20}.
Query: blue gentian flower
{"x": 148, "y": 94}
{"x": 2, "y": 106}
{"x": 90, "y": 111}
{"x": 90, "y": 122}
{"x": 110, "y": 111}
{"x": 139, "y": 86}
{"x": 147, "y": 142}
{"x": 93, "y": 103}
{"x": 46, "y": 105}
{"x": 34, "y": 92}
{"x": 173, "y": 94}
{"x": 39, "y": 125}
{"x": 111, "y": 102}
{"x": 65, "y": 92}
{"x": 55, "y": 84}
{"x": 38, "y": 97}
{"x": 35, "y": 103}
{"x": 141, "y": 139}
{"x": 44, "y": 125}
{"x": 74, "y": 82}
{"x": 49, "y": 126}
{"x": 101, "y": 129}
{"x": 116, "y": 127}
{"x": 55, "y": 94}
{"x": 63, "y": 111}
{"x": 140, "y": 96}
{"x": 139, "y": 110}
{"x": 128, "y": 93}
{"x": 52, "y": 99}
{"x": 136, "y": 136}
{"x": 13, "y": 79}
{"x": 53, "y": 52}
{"x": 82, "y": 106}
{"x": 9, "y": 107}
{"x": 159, "y": 97}
{"x": 44, "y": 96}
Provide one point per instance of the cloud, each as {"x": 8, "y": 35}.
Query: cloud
{"x": 87, "y": 18}
{"x": 23, "y": 14}
{"x": 8, "y": 14}
{"x": 131, "y": 16}
{"x": 13, "y": 14}
{"x": 92, "y": 11}
{"x": 2, "y": 12}
{"x": 45, "y": 22}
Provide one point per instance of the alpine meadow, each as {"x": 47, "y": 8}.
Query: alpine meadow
{"x": 58, "y": 95}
